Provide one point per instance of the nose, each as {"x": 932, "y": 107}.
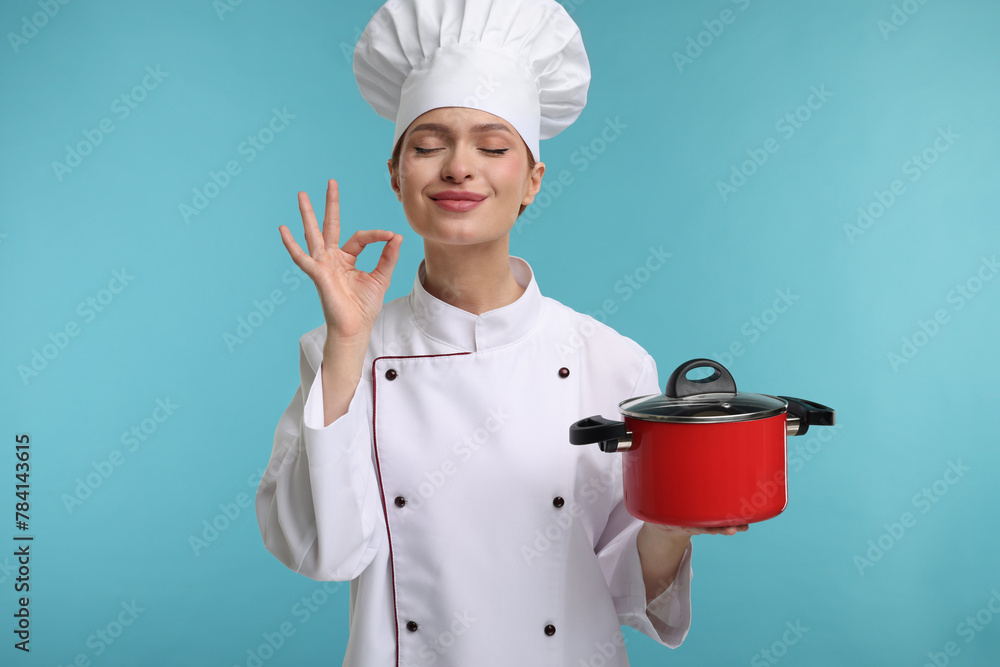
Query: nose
{"x": 459, "y": 164}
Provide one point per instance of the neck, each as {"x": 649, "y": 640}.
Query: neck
{"x": 475, "y": 279}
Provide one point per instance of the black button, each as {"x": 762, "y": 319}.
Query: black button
{"x": 412, "y": 627}
{"x": 558, "y": 501}
{"x": 390, "y": 374}
{"x": 400, "y": 501}
{"x": 550, "y": 630}
{"x": 564, "y": 372}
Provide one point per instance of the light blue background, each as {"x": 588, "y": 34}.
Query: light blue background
{"x": 682, "y": 128}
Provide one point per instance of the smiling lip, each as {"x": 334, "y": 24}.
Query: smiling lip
{"x": 459, "y": 205}
{"x": 456, "y": 200}
{"x": 461, "y": 195}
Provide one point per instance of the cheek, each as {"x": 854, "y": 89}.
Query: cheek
{"x": 409, "y": 180}
{"x": 514, "y": 177}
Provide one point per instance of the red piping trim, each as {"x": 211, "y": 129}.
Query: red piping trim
{"x": 381, "y": 490}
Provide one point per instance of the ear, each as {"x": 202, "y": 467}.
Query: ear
{"x": 534, "y": 183}
{"x": 394, "y": 180}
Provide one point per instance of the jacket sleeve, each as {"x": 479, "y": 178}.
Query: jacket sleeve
{"x": 318, "y": 504}
{"x": 667, "y": 618}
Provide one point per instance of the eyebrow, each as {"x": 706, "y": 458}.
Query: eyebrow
{"x": 438, "y": 128}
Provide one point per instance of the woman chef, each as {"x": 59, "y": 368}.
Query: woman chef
{"x": 425, "y": 457}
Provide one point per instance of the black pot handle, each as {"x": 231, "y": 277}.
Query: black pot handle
{"x": 598, "y": 429}
{"x": 679, "y": 386}
{"x": 809, "y": 413}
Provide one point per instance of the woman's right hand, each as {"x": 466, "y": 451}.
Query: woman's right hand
{"x": 351, "y": 299}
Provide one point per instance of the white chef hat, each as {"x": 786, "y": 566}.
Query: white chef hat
{"x": 521, "y": 60}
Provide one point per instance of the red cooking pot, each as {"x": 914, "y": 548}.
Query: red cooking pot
{"x": 703, "y": 454}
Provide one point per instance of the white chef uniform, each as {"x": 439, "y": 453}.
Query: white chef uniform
{"x": 472, "y": 532}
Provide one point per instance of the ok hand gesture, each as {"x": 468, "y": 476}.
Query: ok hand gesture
{"x": 351, "y": 299}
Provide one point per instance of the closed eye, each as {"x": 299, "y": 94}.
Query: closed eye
{"x": 492, "y": 151}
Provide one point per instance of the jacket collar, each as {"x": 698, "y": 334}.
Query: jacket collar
{"x": 468, "y": 332}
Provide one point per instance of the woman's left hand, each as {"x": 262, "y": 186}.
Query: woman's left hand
{"x": 691, "y": 530}
{"x": 661, "y": 549}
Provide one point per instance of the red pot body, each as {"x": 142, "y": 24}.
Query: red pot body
{"x": 706, "y": 475}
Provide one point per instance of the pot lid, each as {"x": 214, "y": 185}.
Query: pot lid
{"x": 709, "y": 400}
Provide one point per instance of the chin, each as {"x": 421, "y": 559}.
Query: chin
{"x": 468, "y": 240}
{"x": 464, "y": 231}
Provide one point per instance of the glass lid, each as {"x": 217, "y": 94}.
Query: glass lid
{"x": 705, "y": 400}
{"x": 707, "y": 408}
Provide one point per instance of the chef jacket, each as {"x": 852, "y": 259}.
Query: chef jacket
{"x": 473, "y": 533}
